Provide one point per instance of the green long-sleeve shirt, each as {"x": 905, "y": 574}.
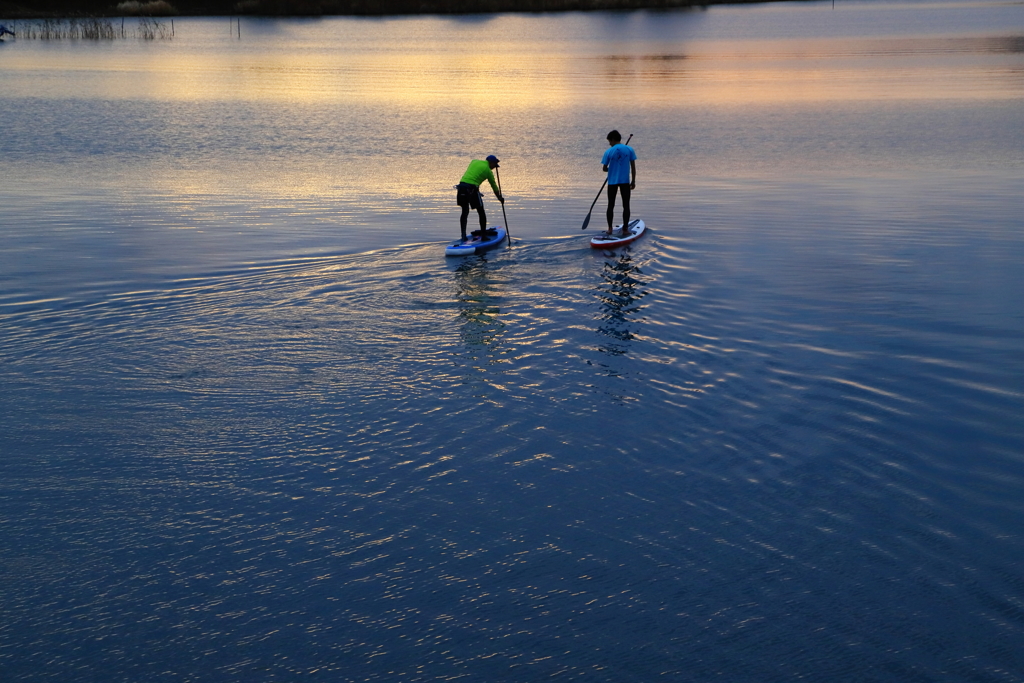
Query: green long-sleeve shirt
{"x": 478, "y": 171}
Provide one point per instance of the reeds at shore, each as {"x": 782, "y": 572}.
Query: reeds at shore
{"x": 67, "y": 29}
{"x": 91, "y": 29}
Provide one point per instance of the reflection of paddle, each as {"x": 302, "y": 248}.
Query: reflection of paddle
{"x": 507, "y": 231}
{"x": 586, "y": 221}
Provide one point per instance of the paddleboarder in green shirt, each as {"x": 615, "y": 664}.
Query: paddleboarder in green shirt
{"x": 468, "y": 193}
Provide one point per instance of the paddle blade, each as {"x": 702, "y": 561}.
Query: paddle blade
{"x": 586, "y": 222}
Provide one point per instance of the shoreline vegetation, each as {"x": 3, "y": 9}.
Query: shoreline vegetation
{"x": 90, "y": 28}
{"x": 70, "y": 9}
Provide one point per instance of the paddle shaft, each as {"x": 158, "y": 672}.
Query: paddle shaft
{"x": 586, "y": 221}
{"x": 507, "y": 231}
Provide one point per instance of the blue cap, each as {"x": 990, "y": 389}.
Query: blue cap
{"x": 493, "y": 158}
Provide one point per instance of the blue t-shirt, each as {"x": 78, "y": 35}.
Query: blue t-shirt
{"x": 617, "y": 160}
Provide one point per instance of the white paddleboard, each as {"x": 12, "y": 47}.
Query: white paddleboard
{"x": 633, "y": 231}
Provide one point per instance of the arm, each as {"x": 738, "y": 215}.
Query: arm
{"x": 632, "y": 167}
{"x": 494, "y": 188}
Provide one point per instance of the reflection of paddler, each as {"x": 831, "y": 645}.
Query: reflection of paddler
{"x": 468, "y": 191}
{"x": 4, "y": 31}
{"x": 478, "y": 307}
{"x": 622, "y": 288}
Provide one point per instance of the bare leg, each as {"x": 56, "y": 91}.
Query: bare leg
{"x": 463, "y": 218}
{"x": 483, "y": 217}
{"x": 610, "y": 214}
{"x": 625, "y": 210}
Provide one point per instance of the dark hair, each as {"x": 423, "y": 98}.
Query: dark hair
{"x": 615, "y": 135}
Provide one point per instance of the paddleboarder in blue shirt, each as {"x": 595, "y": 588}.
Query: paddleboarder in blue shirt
{"x": 468, "y": 193}
{"x": 619, "y": 161}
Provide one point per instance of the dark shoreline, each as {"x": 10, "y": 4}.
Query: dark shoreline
{"x": 67, "y": 9}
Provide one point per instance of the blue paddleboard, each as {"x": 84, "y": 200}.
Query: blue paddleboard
{"x": 477, "y": 244}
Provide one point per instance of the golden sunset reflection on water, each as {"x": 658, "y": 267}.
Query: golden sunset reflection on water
{"x": 385, "y": 113}
{"x": 526, "y": 75}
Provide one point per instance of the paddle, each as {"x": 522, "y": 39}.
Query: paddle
{"x": 586, "y": 221}
{"x": 507, "y": 231}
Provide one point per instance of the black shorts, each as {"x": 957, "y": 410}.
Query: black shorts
{"x": 623, "y": 188}
{"x": 467, "y": 194}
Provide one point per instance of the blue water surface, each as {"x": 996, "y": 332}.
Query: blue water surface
{"x": 256, "y": 427}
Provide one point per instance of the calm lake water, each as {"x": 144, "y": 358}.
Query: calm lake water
{"x": 256, "y": 427}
